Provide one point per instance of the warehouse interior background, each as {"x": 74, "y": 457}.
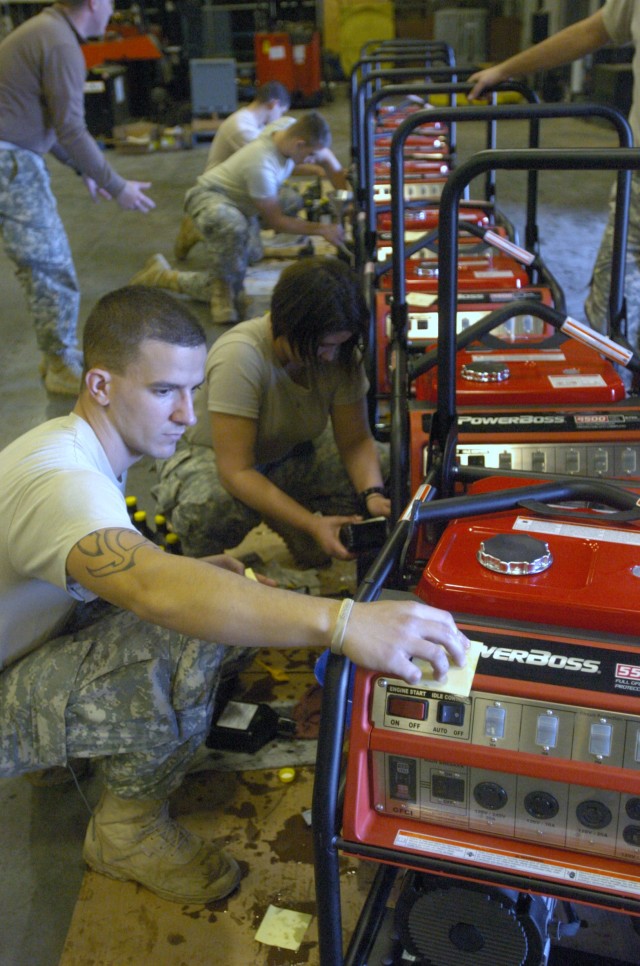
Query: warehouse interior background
{"x": 155, "y": 109}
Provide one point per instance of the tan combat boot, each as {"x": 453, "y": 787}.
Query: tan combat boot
{"x": 61, "y": 377}
{"x": 223, "y": 309}
{"x": 188, "y": 236}
{"x": 137, "y": 840}
{"x": 157, "y": 273}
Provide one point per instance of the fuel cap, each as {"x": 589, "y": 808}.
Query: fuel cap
{"x": 485, "y": 371}
{"x": 515, "y": 554}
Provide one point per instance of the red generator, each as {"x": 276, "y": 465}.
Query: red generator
{"x": 575, "y": 566}
{"x": 434, "y": 146}
{"x": 422, "y": 327}
{"x": 531, "y": 783}
{"x": 503, "y": 797}
{"x": 567, "y": 373}
{"x": 426, "y": 219}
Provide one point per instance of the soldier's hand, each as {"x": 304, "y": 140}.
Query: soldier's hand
{"x": 387, "y": 635}
{"x": 483, "y": 80}
{"x": 133, "y": 198}
{"x": 333, "y": 233}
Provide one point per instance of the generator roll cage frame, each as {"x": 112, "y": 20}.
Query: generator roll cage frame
{"x": 366, "y": 210}
{"x": 535, "y": 113}
{"x": 366, "y": 160}
{"x": 444, "y": 433}
{"x": 368, "y": 74}
{"x": 328, "y": 789}
{"x": 376, "y": 47}
{"x": 415, "y": 80}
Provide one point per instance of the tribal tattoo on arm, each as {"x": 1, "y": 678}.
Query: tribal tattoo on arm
{"x": 111, "y": 551}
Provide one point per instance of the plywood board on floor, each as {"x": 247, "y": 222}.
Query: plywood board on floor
{"x": 260, "y": 820}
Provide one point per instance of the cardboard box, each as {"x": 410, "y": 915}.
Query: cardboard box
{"x": 143, "y": 137}
{"x": 204, "y": 128}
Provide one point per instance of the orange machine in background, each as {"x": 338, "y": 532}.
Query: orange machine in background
{"x": 297, "y": 65}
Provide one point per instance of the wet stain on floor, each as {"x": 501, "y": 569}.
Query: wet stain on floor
{"x": 259, "y": 819}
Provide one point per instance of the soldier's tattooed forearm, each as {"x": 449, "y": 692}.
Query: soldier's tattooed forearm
{"x": 112, "y": 551}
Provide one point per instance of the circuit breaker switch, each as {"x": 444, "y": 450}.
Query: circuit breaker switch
{"x": 494, "y": 722}
{"x": 600, "y": 737}
{"x": 547, "y": 730}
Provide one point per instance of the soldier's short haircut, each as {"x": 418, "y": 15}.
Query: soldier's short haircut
{"x": 312, "y": 129}
{"x": 273, "y": 91}
{"x": 315, "y": 297}
{"x": 125, "y": 318}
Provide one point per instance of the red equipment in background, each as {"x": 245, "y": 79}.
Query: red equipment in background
{"x": 121, "y": 50}
{"x": 297, "y": 65}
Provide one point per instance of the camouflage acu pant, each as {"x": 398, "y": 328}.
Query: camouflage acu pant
{"x": 290, "y": 199}
{"x": 210, "y": 520}
{"x": 132, "y": 694}
{"x": 231, "y": 239}
{"x": 597, "y": 303}
{"x": 35, "y": 240}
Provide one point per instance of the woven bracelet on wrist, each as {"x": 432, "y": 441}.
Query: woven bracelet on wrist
{"x": 337, "y": 638}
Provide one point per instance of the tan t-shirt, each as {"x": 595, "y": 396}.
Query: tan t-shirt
{"x": 238, "y": 129}
{"x": 245, "y": 378}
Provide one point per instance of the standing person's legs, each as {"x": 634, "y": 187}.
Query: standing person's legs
{"x": 139, "y": 698}
{"x": 35, "y": 240}
{"x": 597, "y": 303}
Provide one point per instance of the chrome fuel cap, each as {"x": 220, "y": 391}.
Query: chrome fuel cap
{"x": 484, "y": 371}
{"x": 515, "y": 554}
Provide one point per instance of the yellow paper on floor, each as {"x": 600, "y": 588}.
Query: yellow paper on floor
{"x": 283, "y": 927}
{"x": 459, "y": 679}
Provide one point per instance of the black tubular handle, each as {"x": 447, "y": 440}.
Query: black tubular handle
{"x": 326, "y": 790}
{"x": 557, "y": 491}
{"x": 555, "y": 512}
{"x": 375, "y": 47}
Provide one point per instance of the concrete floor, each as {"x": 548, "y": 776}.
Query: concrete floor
{"x": 41, "y": 832}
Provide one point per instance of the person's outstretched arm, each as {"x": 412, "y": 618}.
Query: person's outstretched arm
{"x": 564, "y": 47}
{"x": 273, "y": 216}
{"x": 214, "y": 604}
